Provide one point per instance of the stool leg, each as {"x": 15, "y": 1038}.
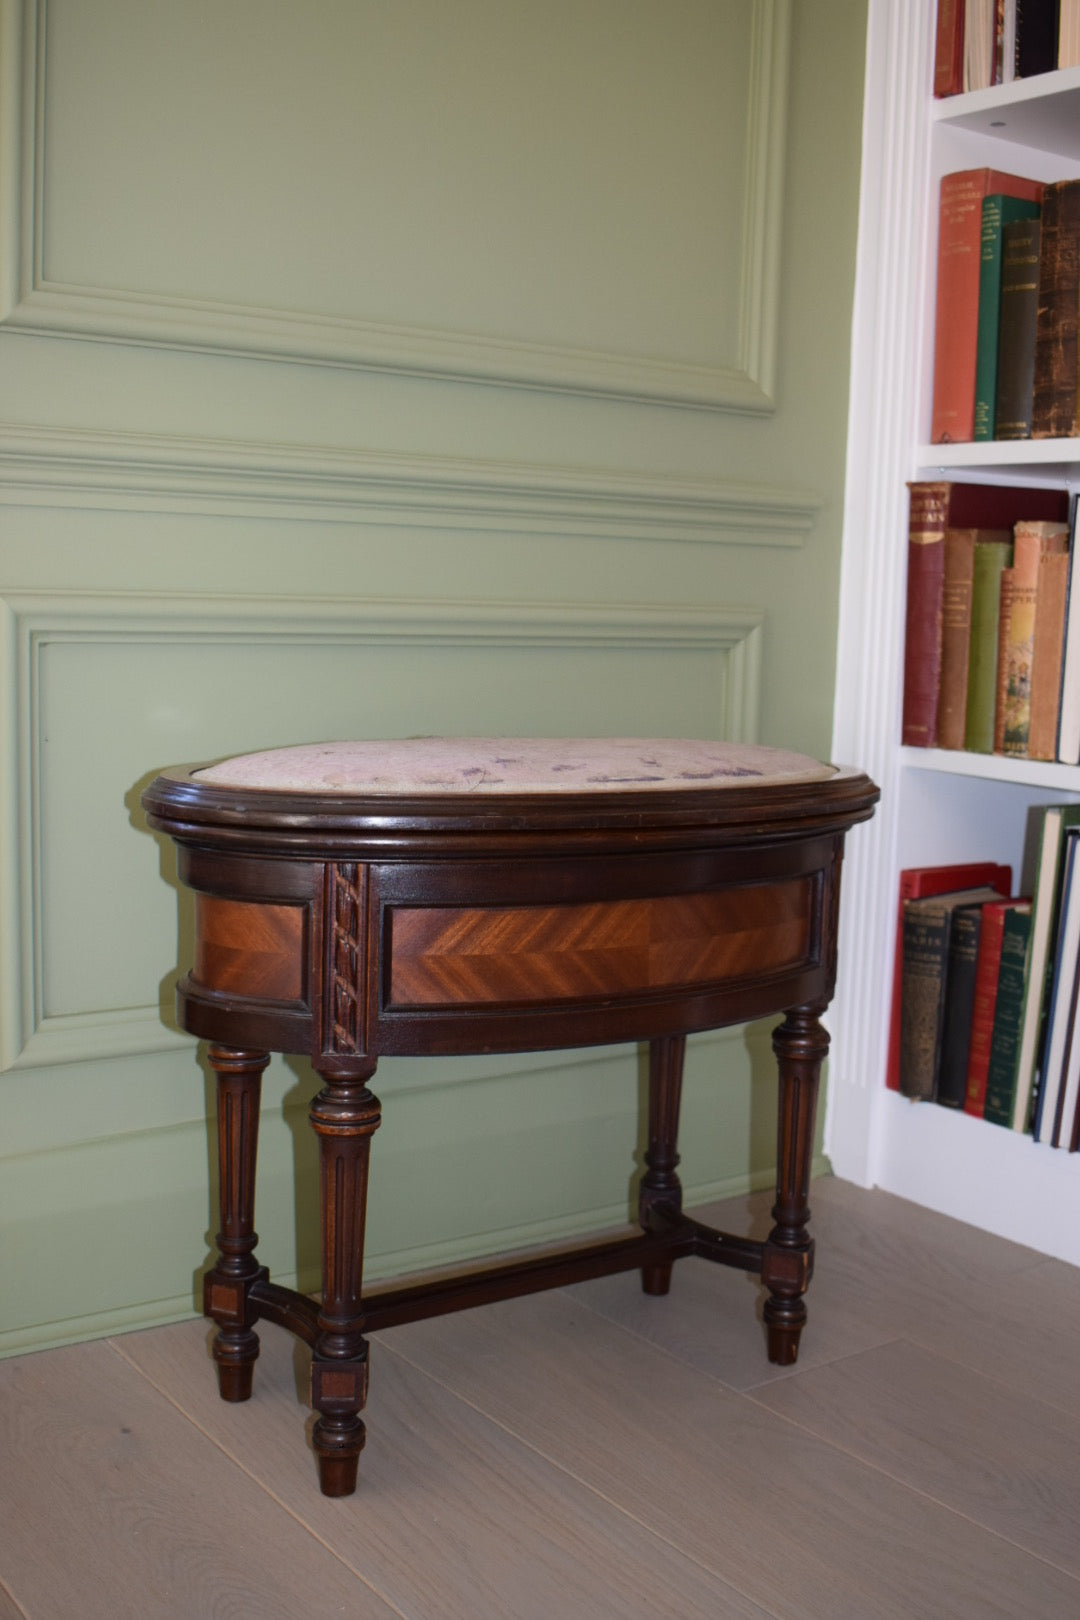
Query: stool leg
{"x": 800, "y": 1044}
{"x": 661, "y": 1192}
{"x": 226, "y": 1287}
{"x": 345, "y": 1116}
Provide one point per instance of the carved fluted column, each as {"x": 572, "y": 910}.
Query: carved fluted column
{"x": 227, "y": 1287}
{"x": 801, "y": 1044}
{"x": 345, "y": 1116}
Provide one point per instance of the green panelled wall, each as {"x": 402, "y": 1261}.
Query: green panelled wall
{"x": 378, "y": 369}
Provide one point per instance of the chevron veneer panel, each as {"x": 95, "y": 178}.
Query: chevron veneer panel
{"x": 447, "y": 956}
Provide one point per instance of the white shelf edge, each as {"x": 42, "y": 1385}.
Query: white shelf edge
{"x": 993, "y": 768}
{"x": 1001, "y": 455}
{"x": 982, "y": 1174}
{"x": 972, "y": 104}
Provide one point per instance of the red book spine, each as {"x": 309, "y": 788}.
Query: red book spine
{"x": 922, "y": 627}
{"x": 949, "y": 48}
{"x": 956, "y": 325}
{"x": 915, "y": 884}
{"x": 982, "y": 1016}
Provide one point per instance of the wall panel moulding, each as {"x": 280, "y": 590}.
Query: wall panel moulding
{"x": 122, "y": 283}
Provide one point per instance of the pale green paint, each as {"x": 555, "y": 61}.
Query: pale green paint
{"x": 581, "y": 591}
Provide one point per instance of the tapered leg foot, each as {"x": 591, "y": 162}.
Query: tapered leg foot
{"x": 656, "y": 1280}
{"x": 338, "y": 1451}
{"x": 235, "y": 1355}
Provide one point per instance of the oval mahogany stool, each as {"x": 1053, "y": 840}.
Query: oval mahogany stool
{"x": 439, "y": 896}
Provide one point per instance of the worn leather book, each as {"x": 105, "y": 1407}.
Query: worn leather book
{"x": 1002, "y": 1073}
{"x": 934, "y": 508}
{"x": 1068, "y": 750}
{"x": 956, "y": 598}
{"x": 949, "y": 48}
{"x": 1031, "y": 541}
{"x": 997, "y": 211}
{"x": 992, "y": 555}
{"x": 1055, "y": 412}
{"x": 1036, "y": 37}
{"x": 927, "y": 928}
{"x": 917, "y": 882}
{"x": 1047, "y": 656}
{"x": 956, "y": 322}
{"x": 984, "y": 1001}
{"x": 1016, "y": 329}
{"x": 964, "y": 932}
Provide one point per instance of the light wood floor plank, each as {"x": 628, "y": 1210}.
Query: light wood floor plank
{"x": 114, "y": 1507}
{"x": 453, "y": 1517}
{"x": 963, "y": 1439}
{"x": 803, "y": 1527}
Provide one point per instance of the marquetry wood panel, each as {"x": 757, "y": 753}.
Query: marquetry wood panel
{"x": 446, "y": 956}
{"x": 251, "y": 950}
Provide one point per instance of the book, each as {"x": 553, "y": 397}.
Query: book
{"x": 957, "y": 598}
{"x": 949, "y": 48}
{"x": 1068, "y": 750}
{"x": 915, "y": 883}
{"x": 1061, "y": 1009}
{"x": 1055, "y": 820}
{"x": 1018, "y": 318}
{"x": 997, "y": 210}
{"x": 1003, "y": 1068}
{"x": 1001, "y": 685}
{"x": 984, "y": 1001}
{"x": 924, "y": 986}
{"x": 963, "y": 950}
{"x": 957, "y": 297}
{"x": 1047, "y": 654}
{"x": 1068, "y": 49}
{"x": 1031, "y": 541}
{"x": 1055, "y": 411}
{"x": 990, "y": 557}
{"x": 978, "y": 44}
{"x": 1036, "y": 37}
{"x": 935, "y": 507}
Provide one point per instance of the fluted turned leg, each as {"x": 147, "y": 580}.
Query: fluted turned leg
{"x": 800, "y": 1044}
{"x": 345, "y": 1116}
{"x": 661, "y": 1190}
{"x": 226, "y": 1288}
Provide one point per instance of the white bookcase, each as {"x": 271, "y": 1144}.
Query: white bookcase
{"x": 936, "y": 806}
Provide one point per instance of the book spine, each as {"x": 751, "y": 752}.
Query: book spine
{"x": 926, "y": 944}
{"x": 1017, "y": 328}
{"x": 956, "y": 597}
{"x": 949, "y": 48}
{"x": 1004, "y": 1045}
{"x": 959, "y": 1006}
{"x": 1068, "y": 751}
{"x": 1046, "y": 659}
{"x": 1068, "y": 52}
{"x": 996, "y": 211}
{"x": 922, "y": 630}
{"x": 1001, "y": 688}
{"x": 1036, "y": 37}
{"x": 991, "y": 557}
{"x": 983, "y": 1005}
{"x": 1054, "y": 413}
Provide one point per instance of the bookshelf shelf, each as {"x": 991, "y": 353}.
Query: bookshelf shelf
{"x": 1041, "y": 113}
{"x": 938, "y": 807}
{"x": 1059, "y": 779}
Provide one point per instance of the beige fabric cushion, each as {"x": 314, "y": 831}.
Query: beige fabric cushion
{"x": 500, "y": 765}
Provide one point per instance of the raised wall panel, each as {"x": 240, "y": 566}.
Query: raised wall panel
{"x": 106, "y": 690}
{"x": 530, "y": 194}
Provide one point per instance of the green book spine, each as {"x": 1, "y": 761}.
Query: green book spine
{"x": 997, "y": 211}
{"x": 991, "y": 557}
{"x": 1008, "y": 1012}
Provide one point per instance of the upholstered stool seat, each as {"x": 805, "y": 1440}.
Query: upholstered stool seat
{"x": 464, "y": 895}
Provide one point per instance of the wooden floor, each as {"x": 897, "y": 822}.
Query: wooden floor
{"x": 589, "y": 1453}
